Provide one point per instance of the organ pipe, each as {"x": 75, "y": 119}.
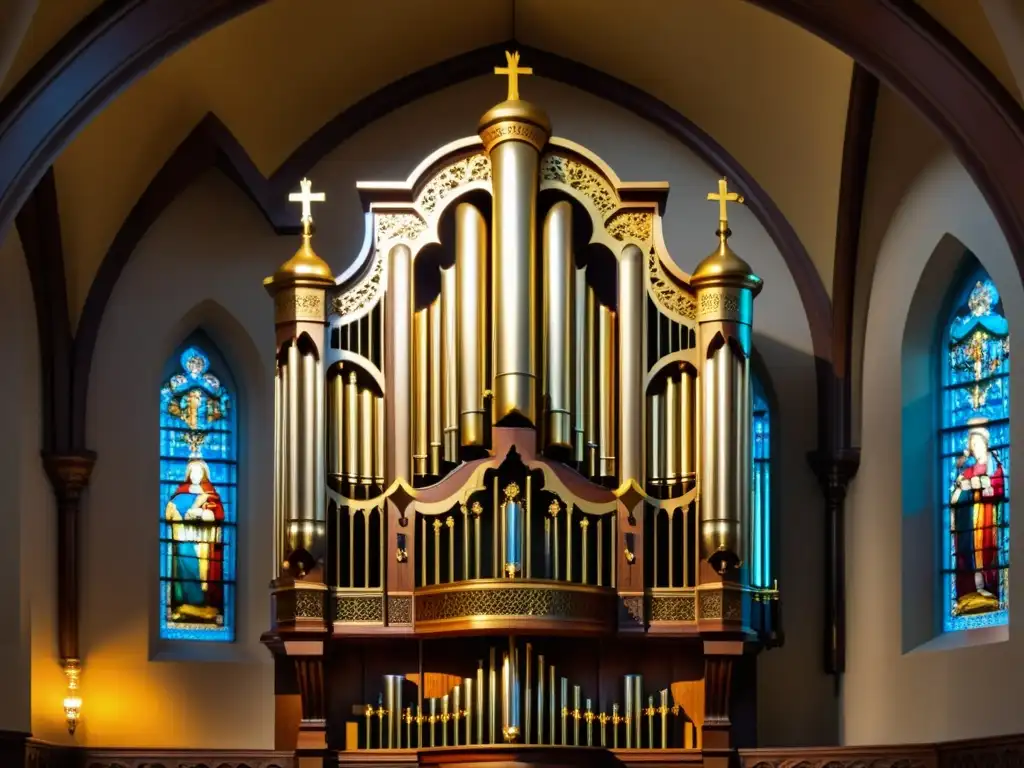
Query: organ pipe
{"x": 366, "y": 437}
{"x": 434, "y": 382}
{"x": 687, "y": 418}
{"x": 421, "y": 391}
{"x": 449, "y": 369}
{"x": 673, "y": 422}
{"x": 378, "y": 441}
{"x": 557, "y": 336}
{"x": 606, "y": 392}
{"x": 398, "y": 310}
{"x": 513, "y": 134}
{"x": 580, "y": 298}
{"x": 471, "y": 285}
{"x": 336, "y": 446}
{"x": 631, "y": 310}
{"x": 590, "y": 404}
{"x": 351, "y": 419}
{"x": 656, "y": 438}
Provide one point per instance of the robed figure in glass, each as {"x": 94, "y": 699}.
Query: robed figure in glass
{"x": 976, "y": 442}
{"x": 198, "y": 479}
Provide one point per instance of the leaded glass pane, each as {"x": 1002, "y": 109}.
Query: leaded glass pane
{"x": 974, "y": 445}
{"x": 198, "y": 481}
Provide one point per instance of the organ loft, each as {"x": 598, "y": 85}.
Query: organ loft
{"x": 513, "y": 471}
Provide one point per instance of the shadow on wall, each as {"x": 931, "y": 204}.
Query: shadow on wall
{"x": 795, "y": 673}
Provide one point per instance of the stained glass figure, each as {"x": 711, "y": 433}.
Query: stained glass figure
{"x": 198, "y": 474}
{"x": 761, "y": 561}
{"x": 975, "y": 445}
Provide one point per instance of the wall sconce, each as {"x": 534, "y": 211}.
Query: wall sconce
{"x": 72, "y": 699}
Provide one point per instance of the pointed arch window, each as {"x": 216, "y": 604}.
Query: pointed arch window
{"x": 761, "y": 560}
{"x": 975, "y": 458}
{"x": 198, "y": 490}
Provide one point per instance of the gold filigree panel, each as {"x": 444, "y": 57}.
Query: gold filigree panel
{"x": 406, "y": 227}
{"x": 298, "y": 604}
{"x": 723, "y": 305}
{"x": 631, "y": 611}
{"x": 725, "y": 605}
{"x": 399, "y": 610}
{"x": 363, "y": 294}
{"x": 672, "y": 297}
{"x": 673, "y": 608}
{"x": 631, "y": 225}
{"x": 582, "y": 178}
{"x": 359, "y": 609}
{"x": 539, "y": 603}
{"x": 451, "y": 179}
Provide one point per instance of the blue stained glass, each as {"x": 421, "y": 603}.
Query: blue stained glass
{"x": 974, "y": 450}
{"x": 198, "y": 479}
{"x": 761, "y": 561}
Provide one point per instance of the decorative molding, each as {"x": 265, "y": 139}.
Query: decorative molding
{"x": 631, "y": 225}
{"x": 447, "y": 181}
{"x": 582, "y": 178}
{"x": 359, "y": 608}
{"x": 631, "y": 612}
{"x": 897, "y": 756}
{"x": 399, "y": 610}
{"x": 673, "y": 608}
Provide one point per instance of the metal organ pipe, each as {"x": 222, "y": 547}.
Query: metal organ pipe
{"x": 632, "y": 306}
{"x": 352, "y": 428}
{"x": 398, "y": 311}
{"x": 449, "y": 368}
{"x": 366, "y": 399}
{"x": 606, "y": 391}
{"x": 559, "y": 282}
{"x": 336, "y": 421}
{"x": 421, "y": 390}
{"x": 471, "y": 286}
{"x": 590, "y": 404}
{"x": 434, "y": 387}
{"x": 687, "y": 420}
{"x": 378, "y": 441}
{"x": 672, "y": 425}
{"x": 580, "y": 298}
{"x": 656, "y": 438}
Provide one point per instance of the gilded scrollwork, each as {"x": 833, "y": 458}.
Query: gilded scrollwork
{"x": 399, "y": 610}
{"x": 365, "y": 293}
{"x": 631, "y": 225}
{"x": 673, "y": 608}
{"x": 667, "y": 293}
{"x": 535, "y": 603}
{"x": 452, "y": 177}
{"x": 363, "y": 609}
{"x": 399, "y": 226}
{"x": 582, "y": 178}
{"x": 711, "y": 605}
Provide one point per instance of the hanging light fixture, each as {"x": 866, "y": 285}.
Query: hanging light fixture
{"x": 72, "y": 699}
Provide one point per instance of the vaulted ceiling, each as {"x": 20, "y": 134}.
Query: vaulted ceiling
{"x": 774, "y": 95}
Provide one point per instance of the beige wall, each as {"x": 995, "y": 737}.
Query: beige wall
{"x": 898, "y": 689}
{"x": 205, "y": 259}
{"x": 29, "y": 669}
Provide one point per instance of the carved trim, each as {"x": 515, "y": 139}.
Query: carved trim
{"x": 631, "y": 612}
{"x": 366, "y": 292}
{"x": 581, "y": 178}
{"x": 451, "y": 178}
{"x": 673, "y": 298}
{"x": 392, "y": 227}
{"x": 359, "y": 609}
{"x": 631, "y": 225}
{"x": 675, "y": 608}
{"x": 399, "y": 610}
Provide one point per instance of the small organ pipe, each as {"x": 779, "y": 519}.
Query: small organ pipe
{"x": 337, "y": 422}
{"x": 590, "y": 404}
{"x": 421, "y": 409}
{"x": 449, "y": 369}
{"x": 606, "y": 392}
{"x": 687, "y": 420}
{"x": 378, "y": 441}
{"x": 631, "y": 309}
{"x": 366, "y": 437}
{"x": 352, "y": 428}
{"x": 656, "y": 438}
{"x": 471, "y": 283}
{"x": 580, "y": 298}
{"x": 672, "y": 425}
{"x": 557, "y": 334}
{"x": 434, "y": 387}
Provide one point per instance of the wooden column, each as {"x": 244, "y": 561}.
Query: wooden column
{"x": 720, "y": 657}
{"x": 69, "y": 476}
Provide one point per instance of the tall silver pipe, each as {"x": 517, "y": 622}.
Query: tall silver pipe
{"x": 557, "y": 335}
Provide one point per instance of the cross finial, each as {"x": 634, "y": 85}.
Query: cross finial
{"x": 306, "y": 197}
{"x": 513, "y": 70}
{"x": 724, "y": 196}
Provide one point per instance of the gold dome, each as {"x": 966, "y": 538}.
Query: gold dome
{"x": 304, "y": 267}
{"x": 724, "y": 267}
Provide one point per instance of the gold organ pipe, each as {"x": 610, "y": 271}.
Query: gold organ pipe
{"x": 279, "y": 506}
{"x": 584, "y": 527}
{"x": 294, "y": 428}
{"x": 337, "y": 426}
{"x": 492, "y": 702}
{"x": 687, "y": 419}
{"x": 480, "y": 703}
{"x": 366, "y": 399}
{"x": 352, "y": 428}
{"x": 606, "y": 392}
{"x": 378, "y": 441}
{"x": 557, "y": 335}
{"x": 685, "y": 514}
{"x": 351, "y": 547}
{"x": 449, "y": 371}
{"x": 465, "y": 547}
{"x": 471, "y": 284}
{"x": 590, "y": 374}
{"x": 437, "y": 550}
{"x": 382, "y": 545}
{"x": 515, "y": 161}
{"x": 366, "y": 547}
{"x": 568, "y": 541}
{"x": 423, "y": 555}
{"x": 310, "y": 450}
{"x": 450, "y": 525}
{"x": 434, "y": 387}
{"x": 672, "y": 425}
{"x": 398, "y": 308}
{"x": 580, "y": 298}
{"x": 656, "y": 438}
{"x": 631, "y": 310}
{"x": 421, "y": 388}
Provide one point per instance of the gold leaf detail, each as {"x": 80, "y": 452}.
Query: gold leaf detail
{"x": 451, "y": 178}
{"x": 671, "y": 296}
{"x": 364, "y": 293}
{"x": 581, "y": 178}
{"x": 631, "y": 225}
{"x": 399, "y": 226}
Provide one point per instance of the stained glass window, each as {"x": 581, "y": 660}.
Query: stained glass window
{"x": 975, "y": 455}
{"x": 761, "y": 561}
{"x": 198, "y": 487}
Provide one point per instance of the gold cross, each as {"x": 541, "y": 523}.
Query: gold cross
{"x": 724, "y": 196}
{"x": 307, "y": 196}
{"x": 513, "y": 70}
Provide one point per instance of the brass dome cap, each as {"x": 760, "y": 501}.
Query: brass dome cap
{"x": 723, "y": 267}
{"x": 304, "y": 267}
{"x": 516, "y": 111}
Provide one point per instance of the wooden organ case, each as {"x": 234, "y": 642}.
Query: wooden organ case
{"x": 513, "y": 471}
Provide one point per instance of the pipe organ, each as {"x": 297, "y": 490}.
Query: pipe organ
{"x": 515, "y": 424}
